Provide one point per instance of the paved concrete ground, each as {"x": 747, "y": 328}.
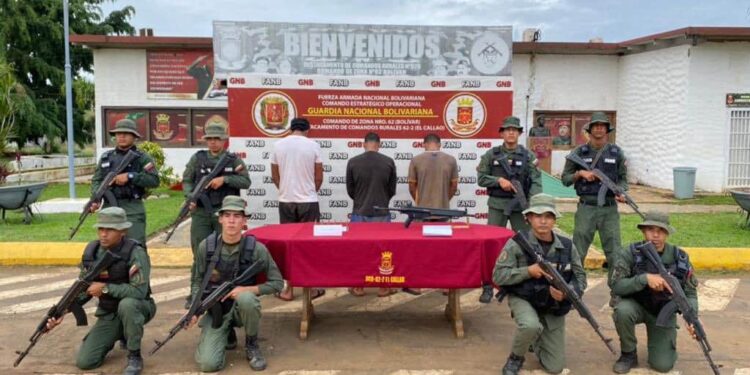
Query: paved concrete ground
{"x": 401, "y": 334}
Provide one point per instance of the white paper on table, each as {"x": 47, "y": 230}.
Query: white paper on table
{"x": 437, "y": 230}
{"x": 336, "y": 230}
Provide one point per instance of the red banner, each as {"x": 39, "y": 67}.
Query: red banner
{"x": 259, "y": 112}
{"x": 183, "y": 74}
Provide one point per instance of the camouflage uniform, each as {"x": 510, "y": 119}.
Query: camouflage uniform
{"x": 640, "y": 304}
{"x": 142, "y": 174}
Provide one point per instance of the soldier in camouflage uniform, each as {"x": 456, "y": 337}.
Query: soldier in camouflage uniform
{"x": 129, "y": 187}
{"x": 590, "y": 217}
{"x": 644, "y": 292}
{"x": 492, "y": 175}
{"x": 125, "y": 303}
{"x": 538, "y": 308}
{"x": 228, "y": 253}
{"x": 229, "y": 182}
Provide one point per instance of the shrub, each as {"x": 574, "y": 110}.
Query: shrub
{"x": 6, "y": 168}
{"x": 167, "y": 176}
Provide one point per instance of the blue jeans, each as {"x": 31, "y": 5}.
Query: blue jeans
{"x": 370, "y": 219}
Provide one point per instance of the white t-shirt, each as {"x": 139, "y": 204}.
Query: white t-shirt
{"x": 296, "y": 157}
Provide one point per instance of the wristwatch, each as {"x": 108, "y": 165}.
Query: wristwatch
{"x": 105, "y": 289}
{"x": 130, "y": 176}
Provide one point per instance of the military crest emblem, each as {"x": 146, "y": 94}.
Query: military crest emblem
{"x": 386, "y": 263}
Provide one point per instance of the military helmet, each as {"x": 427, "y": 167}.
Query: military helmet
{"x": 599, "y": 118}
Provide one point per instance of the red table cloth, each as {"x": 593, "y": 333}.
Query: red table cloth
{"x": 385, "y": 255}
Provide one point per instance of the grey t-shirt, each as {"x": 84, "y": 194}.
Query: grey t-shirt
{"x": 433, "y": 171}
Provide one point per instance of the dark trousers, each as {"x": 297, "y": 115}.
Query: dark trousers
{"x": 298, "y": 212}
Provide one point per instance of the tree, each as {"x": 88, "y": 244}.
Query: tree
{"x": 32, "y": 40}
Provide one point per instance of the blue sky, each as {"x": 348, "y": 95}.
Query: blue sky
{"x": 560, "y": 20}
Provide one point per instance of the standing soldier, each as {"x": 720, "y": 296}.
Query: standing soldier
{"x": 125, "y": 303}
{"x": 644, "y": 292}
{"x": 229, "y": 182}
{"x": 500, "y": 165}
{"x": 221, "y": 257}
{"x": 590, "y": 217}
{"x": 129, "y": 187}
{"x": 538, "y": 308}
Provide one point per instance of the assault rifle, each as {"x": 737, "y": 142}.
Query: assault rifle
{"x": 519, "y": 195}
{"x": 607, "y": 184}
{"x": 197, "y": 193}
{"x": 422, "y": 213}
{"x": 104, "y": 191}
{"x": 199, "y": 307}
{"x": 557, "y": 281}
{"x": 678, "y": 303}
{"x": 69, "y": 302}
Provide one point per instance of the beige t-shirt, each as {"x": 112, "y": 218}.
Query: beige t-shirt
{"x": 433, "y": 171}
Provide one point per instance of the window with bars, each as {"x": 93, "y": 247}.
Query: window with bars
{"x": 739, "y": 148}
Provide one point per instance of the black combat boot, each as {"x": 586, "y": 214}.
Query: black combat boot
{"x": 626, "y": 361}
{"x": 231, "y": 340}
{"x": 486, "y": 296}
{"x": 135, "y": 363}
{"x": 254, "y": 355}
{"x": 513, "y": 365}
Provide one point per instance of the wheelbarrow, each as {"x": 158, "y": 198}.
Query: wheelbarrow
{"x": 21, "y": 196}
{"x": 742, "y": 197}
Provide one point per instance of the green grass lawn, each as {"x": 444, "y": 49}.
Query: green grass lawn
{"x": 56, "y": 227}
{"x": 61, "y": 191}
{"x": 693, "y": 230}
{"x": 710, "y": 200}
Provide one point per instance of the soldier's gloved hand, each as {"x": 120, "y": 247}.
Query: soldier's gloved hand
{"x": 657, "y": 283}
{"x": 94, "y": 207}
{"x": 120, "y": 179}
{"x": 216, "y": 183}
{"x": 556, "y": 294}
{"x": 505, "y": 184}
{"x": 535, "y": 271}
{"x": 52, "y": 322}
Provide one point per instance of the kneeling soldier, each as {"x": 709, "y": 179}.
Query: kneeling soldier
{"x": 644, "y": 292}
{"x": 538, "y": 308}
{"x": 125, "y": 303}
{"x": 227, "y": 255}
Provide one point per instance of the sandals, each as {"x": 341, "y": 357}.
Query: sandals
{"x": 385, "y": 292}
{"x": 281, "y": 296}
{"x": 317, "y": 293}
{"x": 357, "y": 292}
